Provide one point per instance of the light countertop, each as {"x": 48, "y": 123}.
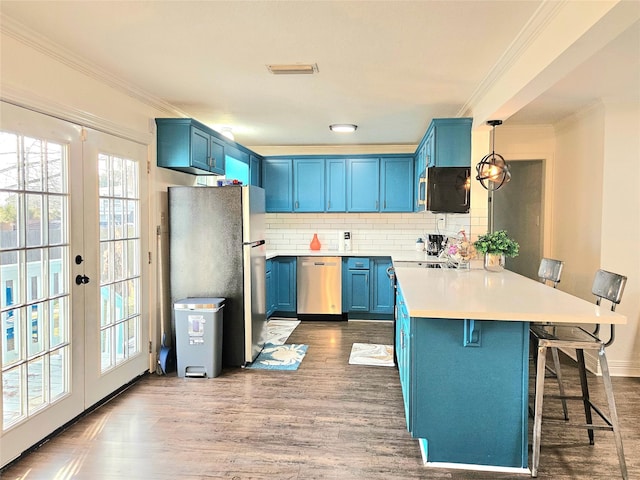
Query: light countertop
{"x": 396, "y": 255}
{"x": 481, "y": 295}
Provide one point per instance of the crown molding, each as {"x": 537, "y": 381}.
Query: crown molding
{"x": 46, "y": 106}
{"x": 538, "y": 22}
{"x": 39, "y": 43}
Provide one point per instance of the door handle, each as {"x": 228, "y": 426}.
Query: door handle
{"x": 81, "y": 279}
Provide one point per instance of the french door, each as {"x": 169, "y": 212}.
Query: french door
{"x": 74, "y": 326}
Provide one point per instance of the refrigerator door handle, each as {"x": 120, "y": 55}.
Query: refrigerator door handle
{"x": 255, "y": 244}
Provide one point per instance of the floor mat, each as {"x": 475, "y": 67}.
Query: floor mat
{"x": 279, "y": 330}
{"x": 371, "y": 354}
{"x": 280, "y": 357}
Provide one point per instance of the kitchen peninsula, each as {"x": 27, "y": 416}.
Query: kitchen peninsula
{"x": 462, "y": 342}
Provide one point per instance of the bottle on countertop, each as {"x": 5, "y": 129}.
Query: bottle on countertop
{"x": 419, "y": 245}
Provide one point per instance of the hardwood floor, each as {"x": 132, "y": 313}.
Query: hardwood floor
{"x": 327, "y": 420}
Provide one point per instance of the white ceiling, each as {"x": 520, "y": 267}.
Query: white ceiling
{"x": 387, "y": 66}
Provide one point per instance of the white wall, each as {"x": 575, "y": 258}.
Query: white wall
{"x": 592, "y": 205}
{"x": 620, "y": 235}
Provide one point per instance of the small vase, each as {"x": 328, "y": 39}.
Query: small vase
{"x": 315, "y": 243}
{"x": 494, "y": 262}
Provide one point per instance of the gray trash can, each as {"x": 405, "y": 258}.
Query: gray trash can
{"x": 199, "y": 336}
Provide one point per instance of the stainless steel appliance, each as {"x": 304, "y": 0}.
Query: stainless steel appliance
{"x": 319, "y": 286}
{"x": 217, "y": 249}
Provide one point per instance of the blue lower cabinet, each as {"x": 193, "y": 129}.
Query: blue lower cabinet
{"x": 467, "y": 389}
{"x": 270, "y": 289}
{"x": 367, "y": 289}
{"x": 357, "y": 290}
{"x": 382, "y": 290}
{"x": 284, "y": 280}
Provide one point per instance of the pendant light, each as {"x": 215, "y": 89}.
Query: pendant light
{"x": 493, "y": 170}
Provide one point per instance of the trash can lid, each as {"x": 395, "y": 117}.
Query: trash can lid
{"x": 199, "y": 303}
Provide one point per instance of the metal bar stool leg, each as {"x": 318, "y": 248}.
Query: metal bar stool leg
{"x": 613, "y": 414}
{"x": 556, "y": 365}
{"x": 585, "y": 392}
{"x": 537, "y": 418}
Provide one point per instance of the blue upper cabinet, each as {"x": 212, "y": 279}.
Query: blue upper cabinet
{"x": 189, "y": 146}
{"x": 254, "y": 170}
{"x": 308, "y": 185}
{"x": 396, "y": 184}
{"x": 363, "y": 184}
{"x": 236, "y": 164}
{"x": 277, "y": 177}
{"x": 336, "y": 185}
{"x": 451, "y": 138}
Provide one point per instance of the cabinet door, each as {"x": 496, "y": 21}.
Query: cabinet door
{"x": 285, "y": 278}
{"x": 452, "y": 145}
{"x": 420, "y": 179}
{"x": 216, "y": 156}
{"x": 308, "y": 185}
{"x": 363, "y": 184}
{"x": 200, "y": 149}
{"x": 336, "y": 185}
{"x": 269, "y": 289}
{"x": 396, "y": 184}
{"x": 358, "y": 291}
{"x": 254, "y": 170}
{"x": 277, "y": 176}
{"x": 382, "y": 291}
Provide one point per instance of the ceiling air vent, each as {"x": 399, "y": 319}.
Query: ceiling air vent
{"x": 298, "y": 69}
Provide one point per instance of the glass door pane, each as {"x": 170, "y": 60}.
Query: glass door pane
{"x": 34, "y": 242}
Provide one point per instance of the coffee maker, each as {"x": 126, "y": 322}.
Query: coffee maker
{"x": 435, "y": 244}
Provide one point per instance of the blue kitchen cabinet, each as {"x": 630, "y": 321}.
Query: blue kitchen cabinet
{"x": 308, "y": 184}
{"x": 356, "y": 287}
{"x": 188, "y": 146}
{"x": 403, "y": 353}
{"x": 382, "y": 290}
{"x": 236, "y": 164}
{"x": 284, "y": 279}
{"x": 421, "y": 177}
{"x": 363, "y": 184}
{"x": 254, "y": 170}
{"x": 465, "y": 387}
{"x": 366, "y": 288}
{"x": 277, "y": 178}
{"x": 396, "y": 184}
{"x": 336, "y": 185}
{"x": 451, "y": 142}
{"x": 270, "y": 290}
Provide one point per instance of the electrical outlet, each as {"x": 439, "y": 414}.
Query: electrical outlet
{"x": 441, "y": 221}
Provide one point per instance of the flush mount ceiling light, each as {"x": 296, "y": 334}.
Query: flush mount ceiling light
{"x": 228, "y": 132}
{"x": 297, "y": 69}
{"x": 343, "y": 127}
{"x": 493, "y": 171}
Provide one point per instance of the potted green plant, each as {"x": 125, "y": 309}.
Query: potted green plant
{"x": 495, "y": 247}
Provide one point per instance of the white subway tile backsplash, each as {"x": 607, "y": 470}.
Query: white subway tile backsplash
{"x": 369, "y": 231}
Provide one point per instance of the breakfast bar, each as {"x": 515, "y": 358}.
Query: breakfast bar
{"x": 462, "y": 343}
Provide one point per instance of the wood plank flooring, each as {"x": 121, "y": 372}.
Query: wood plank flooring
{"x": 327, "y": 420}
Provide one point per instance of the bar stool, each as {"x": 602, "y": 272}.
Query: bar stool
{"x": 609, "y": 286}
{"x": 549, "y": 272}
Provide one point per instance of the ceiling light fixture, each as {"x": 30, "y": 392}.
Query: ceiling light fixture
{"x": 493, "y": 171}
{"x": 297, "y": 69}
{"x": 343, "y": 127}
{"x": 228, "y": 132}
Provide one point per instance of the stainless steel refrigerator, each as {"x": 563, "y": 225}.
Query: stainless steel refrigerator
{"x": 217, "y": 249}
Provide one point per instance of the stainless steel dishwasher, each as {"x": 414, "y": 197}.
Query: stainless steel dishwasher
{"x": 319, "y": 286}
